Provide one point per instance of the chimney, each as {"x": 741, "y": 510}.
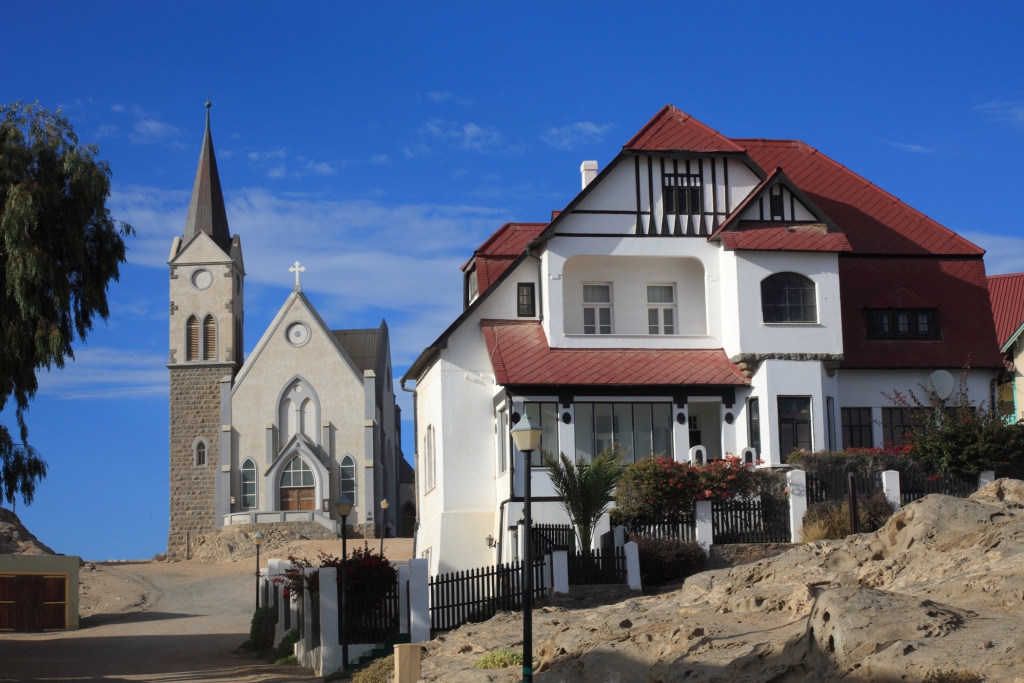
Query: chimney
{"x": 588, "y": 169}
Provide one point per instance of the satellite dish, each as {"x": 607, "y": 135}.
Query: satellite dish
{"x": 943, "y": 383}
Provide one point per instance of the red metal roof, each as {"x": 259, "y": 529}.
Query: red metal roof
{"x": 965, "y": 321}
{"x": 770, "y": 236}
{"x": 1007, "y": 296}
{"x": 874, "y": 221}
{"x": 497, "y": 253}
{"x": 520, "y": 355}
{"x": 674, "y": 130}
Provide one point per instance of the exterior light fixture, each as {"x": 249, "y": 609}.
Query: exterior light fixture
{"x": 343, "y": 506}
{"x": 257, "y": 540}
{"x": 526, "y": 436}
{"x": 383, "y": 524}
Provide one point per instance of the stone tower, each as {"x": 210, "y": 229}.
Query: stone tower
{"x": 207, "y": 279}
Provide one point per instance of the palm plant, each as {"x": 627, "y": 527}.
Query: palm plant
{"x": 586, "y": 489}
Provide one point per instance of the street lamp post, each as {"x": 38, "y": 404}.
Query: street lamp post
{"x": 257, "y": 540}
{"x": 343, "y": 506}
{"x": 383, "y": 524}
{"x": 526, "y": 436}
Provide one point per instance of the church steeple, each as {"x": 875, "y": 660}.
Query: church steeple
{"x": 206, "y": 211}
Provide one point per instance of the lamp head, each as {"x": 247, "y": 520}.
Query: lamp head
{"x": 490, "y": 541}
{"x": 526, "y": 435}
{"x": 384, "y": 504}
{"x": 343, "y": 506}
{"x": 257, "y": 539}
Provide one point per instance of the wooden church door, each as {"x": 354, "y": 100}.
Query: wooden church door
{"x": 297, "y": 488}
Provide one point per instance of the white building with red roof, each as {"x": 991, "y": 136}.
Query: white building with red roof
{"x": 700, "y": 296}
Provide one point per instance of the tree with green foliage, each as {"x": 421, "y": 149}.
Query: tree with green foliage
{"x": 59, "y": 249}
{"x": 586, "y": 489}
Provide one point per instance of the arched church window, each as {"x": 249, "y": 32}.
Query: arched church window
{"x": 192, "y": 338}
{"x": 298, "y": 490}
{"x": 347, "y": 477}
{"x": 200, "y": 453}
{"x": 209, "y": 338}
{"x": 248, "y": 485}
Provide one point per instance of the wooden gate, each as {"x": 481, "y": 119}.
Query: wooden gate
{"x": 33, "y": 602}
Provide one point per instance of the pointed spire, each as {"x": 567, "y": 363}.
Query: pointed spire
{"x": 206, "y": 211}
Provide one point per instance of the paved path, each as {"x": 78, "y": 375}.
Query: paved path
{"x": 199, "y": 615}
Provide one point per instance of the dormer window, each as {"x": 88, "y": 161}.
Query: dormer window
{"x": 472, "y": 285}
{"x": 903, "y": 323}
{"x": 775, "y": 203}
{"x": 681, "y": 194}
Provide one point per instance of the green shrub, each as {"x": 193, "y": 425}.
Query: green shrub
{"x": 261, "y": 630}
{"x": 952, "y": 676}
{"x": 830, "y": 519}
{"x": 857, "y": 460}
{"x": 667, "y": 560}
{"x": 286, "y": 648}
{"x": 499, "y": 659}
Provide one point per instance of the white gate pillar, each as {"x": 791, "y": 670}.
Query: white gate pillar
{"x": 796, "y": 482}
{"x": 703, "y": 527}
{"x": 419, "y": 601}
{"x": 891, "y": 487}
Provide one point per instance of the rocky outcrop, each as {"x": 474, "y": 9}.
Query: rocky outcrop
{"x": 234, "y": 542}
{"x": 940, "y": 586}
{"x": 15, "y": 539}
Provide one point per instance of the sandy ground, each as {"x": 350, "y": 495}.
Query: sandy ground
{"x": 159, "y": 621}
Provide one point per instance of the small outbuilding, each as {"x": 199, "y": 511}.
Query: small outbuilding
{"x": 38, "y": 592}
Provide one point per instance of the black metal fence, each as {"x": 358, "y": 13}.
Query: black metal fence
{"x": 599, "y": 567}
{"x": 683, "y": 530}
{"x": 474, "y": 595}
{"x": 546, "y": 536}
{"x": 750, "y": 521}
{"x": 1011, "y": 471}
{"x": 834, "y": 485}
{"x": 916, "y": 485}
{"x": 371, "y": 616}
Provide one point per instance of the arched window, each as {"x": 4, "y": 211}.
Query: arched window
{"x": 298, "y": 412}
{"x": 209, "y": 338}
{"x": 347, "y": 478}
{"x": 192, "y": 338}
{"x": 199, "y": 452}
{"x": 298, "y": 490}
{"x": 248, "y": 485}
{"x": 788, "y": 298}
{"x": 408, "y": 521}
{"x": 428, "y": 450}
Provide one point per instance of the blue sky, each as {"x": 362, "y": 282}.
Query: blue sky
{"x": 379, "y": 143}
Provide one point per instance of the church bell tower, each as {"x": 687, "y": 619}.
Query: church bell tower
{"x": 206, "y": 287}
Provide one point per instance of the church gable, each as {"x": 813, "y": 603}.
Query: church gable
{"x": 199, "y": 249}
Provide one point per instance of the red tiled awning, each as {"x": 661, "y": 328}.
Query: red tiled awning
{"x": 761, "y": 237}
{"x": 520, "y": 355}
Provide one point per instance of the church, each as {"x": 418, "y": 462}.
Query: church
{"x": 277, "y": 437}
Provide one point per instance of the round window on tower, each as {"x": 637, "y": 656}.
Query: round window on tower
{"x": 297, "y": 334}
{"x": 201, "y": 278}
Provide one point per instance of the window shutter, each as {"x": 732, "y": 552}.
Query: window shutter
{"x": 192, "y": 338}
{"x": 209, "y": 338}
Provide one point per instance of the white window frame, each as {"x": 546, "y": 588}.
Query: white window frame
{"x": 597, "y": 307}
{"x": 501, "y": 435}
{"x": 304, "y": 467}
{"x": 195, "y": 452}
{"x": 430, "y": 459}
{"x": 342, "y": 478}
{"x": 255, "y": 486}
{"x": 659, "y": 310}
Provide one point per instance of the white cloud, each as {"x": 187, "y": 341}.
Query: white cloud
{"x": 106, "y": 131}
{"x": 468, "y": 136}
{"x": 380, "y": 159}
{"x": 321, "y": 167}
{"x": 909, "y": 148}
{"x": 440, "y": 95}
{"x": 277, "y": 171}
{"x": 107, "y": 373}
{"x": 1002, "y": 112}
{"x": 574, "y": 135}
{"x": 1003, "y": 254}
{"x": 150, "y": 130}
{"x": 417, "y": 150}
{"x": 257, "y": 157}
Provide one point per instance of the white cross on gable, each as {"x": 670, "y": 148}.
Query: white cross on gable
{"x": 297, "y": 269}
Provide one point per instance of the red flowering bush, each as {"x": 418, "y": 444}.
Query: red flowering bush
{"x": 664, "y": 491}
{"x": 367, "y": 572}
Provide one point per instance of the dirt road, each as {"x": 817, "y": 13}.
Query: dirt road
{"x": 151, "y": 621}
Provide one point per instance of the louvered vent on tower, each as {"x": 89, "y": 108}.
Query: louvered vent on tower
{"x": 209, "y": 338}
{"x": 192, "y": 338}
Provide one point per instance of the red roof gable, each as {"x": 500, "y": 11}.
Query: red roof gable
{"x": 770, "y": 236}
{"x": 1007, "y": 296}
{"x": 497, "y": 253}
{"x": 965, "y": 322}
{"x": 874, "y": 221}
{"x": 674, "y": 130}
{"x": 520, "y": 355}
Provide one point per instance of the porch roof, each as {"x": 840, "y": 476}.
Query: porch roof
{"x": 521, "y": 355}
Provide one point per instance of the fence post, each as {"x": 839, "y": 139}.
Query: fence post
{"x": 703, "y": 527}
{"x": 307, "y": 624}
{"x": 330, "y": 622}
{"x": 560, "y": 570}
{"x": 632, "y": 565}
{"x": 403, "y": 596}
{"x": 698, "y": 455}
{"x": 891, "y": 487}
{"x": 620, "y": 536}
{"x": 419, "y": 601}
{"x": 986, "y": 477}
{"x": 796, "y": 482}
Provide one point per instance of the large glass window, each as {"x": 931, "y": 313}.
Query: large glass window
{"x": 903, "y": 323}
{"x": 899, "y": 421}
{"x": 788, "y": 298}
{"x": 681, "y": 194}
{"x": 546, "y": 415}
{"x": 526, "y": 305}
{"x": 857, "y": 428}
{"x": 248, "y": 485}
{"x": 661, "y": 309}
{"x": 597, "y": 309}
{"x": 347, "y": 477}
{"x": 297, "y": 473}
{"x": 643, "y": 430}
{"x": 754, "y": 424}
{"x": 794, "y": 425}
